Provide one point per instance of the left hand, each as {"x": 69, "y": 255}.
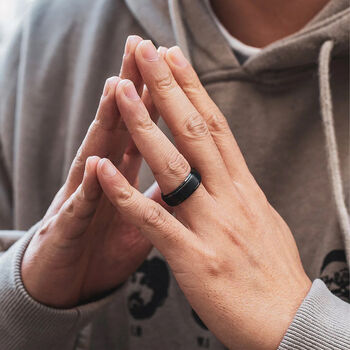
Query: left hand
{"x": 232, "y": 254}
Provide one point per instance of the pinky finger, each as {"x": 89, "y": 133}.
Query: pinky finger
{"x": 160, "y": 227}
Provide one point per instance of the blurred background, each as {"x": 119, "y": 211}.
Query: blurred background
{"x": 10, "y": 13}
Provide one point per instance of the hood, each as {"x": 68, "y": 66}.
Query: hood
{"x": 190, "y": 25}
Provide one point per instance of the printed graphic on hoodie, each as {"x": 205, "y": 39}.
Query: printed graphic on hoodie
{"x": 149, "y": 289}
{"x": 335, "y": 274}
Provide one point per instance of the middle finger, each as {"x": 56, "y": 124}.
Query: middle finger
{"x": 190, "y": 131}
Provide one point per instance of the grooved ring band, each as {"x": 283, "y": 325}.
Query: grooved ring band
{"x": 181, "y": 193}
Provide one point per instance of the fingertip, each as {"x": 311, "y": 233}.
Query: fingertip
{"x": 91, "y": 162}
{"x": 162, "y": 50}
{"x": 131, "y": 42}
{"x": 106, "y": 168}
{"x": 89, "y": 168}
{"x": 127, "y": 88}
{"x": 120, "y": 86}
{"x": 175, "y": 56}
{"x": 90, "y": 185}
{"x": 145, "y": 50}
{"x": 110, "y": 84}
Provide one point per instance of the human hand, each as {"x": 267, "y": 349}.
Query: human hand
{"x": 83, "y": 247}
{"x": 232, "y": 254}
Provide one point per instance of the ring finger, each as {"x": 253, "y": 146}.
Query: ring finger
{"x": 168, "y": 165}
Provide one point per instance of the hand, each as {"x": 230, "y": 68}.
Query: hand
{"x": 84, "y": 248}
{"x": 232, "y": 254}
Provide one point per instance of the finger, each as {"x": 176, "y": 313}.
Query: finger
{"x": 150, "y": 106}
{"x": 130, "y": 71}
{"x": 217, "y": 123}
{"x": 76, "y": 213}
{"x": 168, "y": 165}
{"x": 185, "y": 122}
{"x": 159, "y": 226}
{"x": 102, "y": 136}
{"x": 162, "y": 50}
{"x": 129, "y": 68}
{"x": 132, "y": 157}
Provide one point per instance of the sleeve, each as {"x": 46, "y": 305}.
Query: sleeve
{"x": 25, "y": 324}
{"x": 28, "y": 325}
{"x": 9, "y": 66}
{"x": 322, "y": 322}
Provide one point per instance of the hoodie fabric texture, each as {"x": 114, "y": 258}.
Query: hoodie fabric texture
{"x": 287, "y": 107}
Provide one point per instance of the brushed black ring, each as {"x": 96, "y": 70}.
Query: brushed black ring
{"x": 181, "y": 193}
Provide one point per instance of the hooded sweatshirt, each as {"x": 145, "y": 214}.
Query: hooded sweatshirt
{"x": 287, "y": 107}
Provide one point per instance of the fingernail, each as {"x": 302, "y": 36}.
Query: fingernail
{"x": 129, "y": 42}
{"x": 108, "y": 84}
{"x": 130, "y": 91}
{"x": 162, "y": 50}
{"x": 177, "y": 57}
{"x": 108, "y": 168}
{"x": 148, "y": 51}
{"x": 90, "y": 158}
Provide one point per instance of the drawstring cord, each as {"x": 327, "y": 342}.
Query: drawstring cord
{"x": 178, "y": 27}
{"x": 331, "y": 143}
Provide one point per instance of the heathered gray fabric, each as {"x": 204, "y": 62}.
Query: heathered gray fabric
{"x": 51, "y": 77}
{"x": 321, "y": 323}
{"x": 27, "y": 324}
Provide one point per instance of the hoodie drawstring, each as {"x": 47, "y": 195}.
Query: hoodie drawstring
{"x": 178, "y": 27}
{"x": 331, "y": 143}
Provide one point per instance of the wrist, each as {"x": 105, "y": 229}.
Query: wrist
{"x": 282, "y": 312}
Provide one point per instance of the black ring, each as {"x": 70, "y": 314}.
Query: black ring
{"x": 191, "y": 183}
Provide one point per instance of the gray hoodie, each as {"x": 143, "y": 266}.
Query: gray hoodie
{"x": 287, "y": 107}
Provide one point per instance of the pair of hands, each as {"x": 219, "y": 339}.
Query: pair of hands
{"x": 232, "y": 254}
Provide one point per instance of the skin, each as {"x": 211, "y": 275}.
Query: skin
{"x": 259, "y": 22}
{"x": 229, "y": 266}
{"x": 81, "y": 233}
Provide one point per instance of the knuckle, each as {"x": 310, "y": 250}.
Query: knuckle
{"x": 90, "y": 196}
{"x": 104, "y": 121}
{"x": 94, "y": 126}
{"x": 178, "y": 166}
{"x": 68, "y": 209}
{"x": 152, "y": 216}
{"x": 143, "y": 123}
{"x": 213, "y": 263}
{"x": 191, "y": 86}
{"x": 75, "y": 207}
{"x": 165, "y": 83}
{"x": 217, "y": 122}
{"x": 79, "y": 160}
{"x": 124, "y": 196}
{"x": 195, "y": 126}
{"x": 79, "y": 207}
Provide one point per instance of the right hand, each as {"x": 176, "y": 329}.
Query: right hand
{"x": 83, "y": 248}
